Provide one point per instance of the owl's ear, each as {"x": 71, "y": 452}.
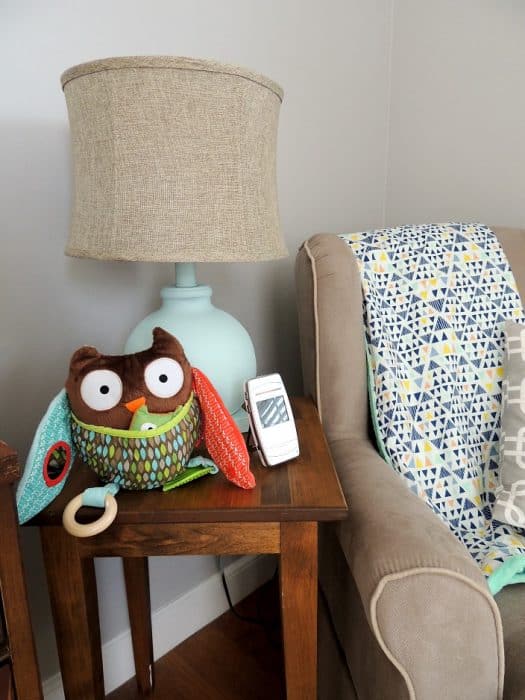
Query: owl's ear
{"x": 164, "y": 342}
{"x": 84, "y": 354}
{"x": 161, "y": 338}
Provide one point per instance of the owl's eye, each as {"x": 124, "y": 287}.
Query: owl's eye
{"x": 101, "y": 389}
{"x": 148, "y": 426}
{"x": 164, "y": 377}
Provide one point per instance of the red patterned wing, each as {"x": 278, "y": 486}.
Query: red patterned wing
{"x": 222, "y": 437}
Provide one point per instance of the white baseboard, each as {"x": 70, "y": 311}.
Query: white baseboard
{"x": 178, "y": 620}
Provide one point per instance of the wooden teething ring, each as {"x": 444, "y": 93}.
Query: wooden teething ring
{"x": 77, "y": 529}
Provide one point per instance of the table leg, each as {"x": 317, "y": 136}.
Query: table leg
{"x": 299, "y": 608}
{"x": 73, "y": 594}
{"x": 136, "y": 577}
{"x": 16, "y": 608}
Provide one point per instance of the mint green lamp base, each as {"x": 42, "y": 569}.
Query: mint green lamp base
{"x": 213, "y": 340}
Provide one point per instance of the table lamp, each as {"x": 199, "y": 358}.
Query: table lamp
{"x": 175, "y": 161}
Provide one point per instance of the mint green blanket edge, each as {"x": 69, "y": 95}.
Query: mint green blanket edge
{"x": 512, "y": 570}
{"x": 373, "y": 408}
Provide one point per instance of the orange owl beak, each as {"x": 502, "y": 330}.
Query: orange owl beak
{"x": 135, "y": 404}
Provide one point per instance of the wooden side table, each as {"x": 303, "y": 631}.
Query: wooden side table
{"x": 211, "y": 516}
{"x": 18, "y": 663}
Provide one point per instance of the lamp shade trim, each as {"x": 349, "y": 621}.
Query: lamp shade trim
{"x": 168, "y": 62}
{"x": 127, "y": 255}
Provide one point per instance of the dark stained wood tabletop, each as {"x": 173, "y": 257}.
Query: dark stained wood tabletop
{"x": 306, "y": 488}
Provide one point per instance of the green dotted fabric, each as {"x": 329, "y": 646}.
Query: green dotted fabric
{"x": 139, "y": 460}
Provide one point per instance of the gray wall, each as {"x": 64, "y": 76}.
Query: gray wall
{"x": 332, "y": 60}
{"x": 457, "y": 130}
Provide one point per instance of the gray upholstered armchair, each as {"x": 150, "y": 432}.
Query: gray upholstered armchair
{"x": 406, "y": 612}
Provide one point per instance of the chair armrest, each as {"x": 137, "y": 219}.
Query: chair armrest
{"x": 424, "y": 596}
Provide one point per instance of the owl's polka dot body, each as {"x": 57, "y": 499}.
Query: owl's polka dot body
{"x": 140, "y": 459}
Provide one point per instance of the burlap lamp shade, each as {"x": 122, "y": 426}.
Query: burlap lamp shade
{"x": 174, "y": 160}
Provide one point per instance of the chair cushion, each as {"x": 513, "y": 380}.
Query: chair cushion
{"x": 511, "y": 603}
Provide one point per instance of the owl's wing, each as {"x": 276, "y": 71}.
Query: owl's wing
{"x": 223, "y": 438}
{"x": 49, "y": 460}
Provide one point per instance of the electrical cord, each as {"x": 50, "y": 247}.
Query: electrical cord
{"x": 268, "y": 625}
{"x": 244, "y": 618}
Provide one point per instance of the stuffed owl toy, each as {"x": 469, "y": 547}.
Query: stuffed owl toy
{"x": 135, "y": 420}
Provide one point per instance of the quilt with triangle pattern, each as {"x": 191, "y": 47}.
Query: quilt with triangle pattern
{"x": 435, "y": 300}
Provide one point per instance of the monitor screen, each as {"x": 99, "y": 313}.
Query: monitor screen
{"x": 272, "y": 411}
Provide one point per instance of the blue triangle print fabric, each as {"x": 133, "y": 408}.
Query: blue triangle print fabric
{"x": 435, "y": 301}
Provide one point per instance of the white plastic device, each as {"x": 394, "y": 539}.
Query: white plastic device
{"x": 271, "y": 419}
